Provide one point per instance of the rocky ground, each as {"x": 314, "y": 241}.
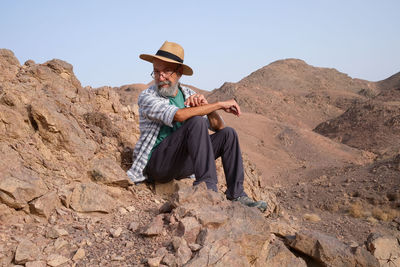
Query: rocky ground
{"x": 65, "y": 199}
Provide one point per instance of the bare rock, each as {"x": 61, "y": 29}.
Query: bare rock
{"x": 189, "y": 228}
{"x": 79, "y": 254}
{"x": 36, "y": 264}
{"x": 169, "y": 260}
{"x": 116, "y": 232}
{"x": 279, "y": 255}
{"x": 45, "y": 204}
{"x": 133, "y": 226}
{"x": 55, "y": 232}
{"x": 9, "y": 65}
{"x": 91, "y": 198}
{"x": 183, "y": 253}
{"x": 194, "y": 247}
{"x": 155, "y": 227}
{"x": 60, "y": 131}
{"x": 60, "y": 243}
{"x": 225, "y": 225}
{"x": 385, "y": 248}
{"x": 65, "y": 194}
{"x": 154, "y": 262}
{"x": 219, "y": 253}
{"x": 26, "y": 251}
{"x": 107, "y": 171}
{"x": 166, "y": 208}
{"x": 168, "y": 189}
{"x": 64, "y": 70}
{"x": 282, "y": 227}
{"x": 12, "y": 123}
{"x": 329, "y": 250}
{"x": 130, "y": 208}
{"x": 56, "y": 260}
{"x": 195, "y": 194}
{"x": 18, "y": 185}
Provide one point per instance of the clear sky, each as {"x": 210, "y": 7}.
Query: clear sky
{"x": 223, "y": 40}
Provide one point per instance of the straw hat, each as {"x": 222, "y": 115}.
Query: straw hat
{"x": 170, "y": 52}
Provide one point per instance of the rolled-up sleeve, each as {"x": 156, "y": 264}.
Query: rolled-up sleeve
{"x": 156, "y": 109}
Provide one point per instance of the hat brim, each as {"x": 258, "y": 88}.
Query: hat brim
{"x": 150, "y": 58}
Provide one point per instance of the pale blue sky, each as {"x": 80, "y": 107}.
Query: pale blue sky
{"x": 223, "y": 40}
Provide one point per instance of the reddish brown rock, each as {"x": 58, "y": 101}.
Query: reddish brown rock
{"x": 45, "y": 204}
{"x": 18, "y": 185}
{"x": 385, "y": 248}
{"x": 329, "y": 250}
{"x": 9, "y": 65}
{"x": 107, "y": 171}
{"x": 279, "y": 255}
{"x": 91, "y": 198}
{"x": 155, "y": 227}
{"x": 189, "y": 228}
{"x": 26, "y": 251}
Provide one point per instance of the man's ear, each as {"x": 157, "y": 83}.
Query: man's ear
{"x": 180, "y": 71}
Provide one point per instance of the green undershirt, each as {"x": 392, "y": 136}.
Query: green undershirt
{"x": 165, "y": 130}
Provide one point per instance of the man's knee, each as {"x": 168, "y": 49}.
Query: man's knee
{"x": 229, "y": 133}
{"x": 196, "y": 121}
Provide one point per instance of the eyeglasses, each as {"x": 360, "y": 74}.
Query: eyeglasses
{"x": 165, "y": 73}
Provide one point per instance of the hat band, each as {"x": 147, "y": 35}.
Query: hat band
{"x": 169, "y": 55}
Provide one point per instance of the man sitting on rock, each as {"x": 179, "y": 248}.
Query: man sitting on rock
{"x": 174, "y": 141}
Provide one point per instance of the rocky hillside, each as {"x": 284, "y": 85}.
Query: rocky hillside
{"x": 63, "y": 184}
{"x": 65, "y": 199}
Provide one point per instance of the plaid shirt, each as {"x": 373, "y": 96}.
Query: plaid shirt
{"x": 154, "y": 112}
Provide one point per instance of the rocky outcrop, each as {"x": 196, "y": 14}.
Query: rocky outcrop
{"x": 54, "y": 132}
{"x": 329, "y": 251}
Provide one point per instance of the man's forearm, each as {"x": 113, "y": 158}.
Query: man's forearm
{"x": 186, "y": 113}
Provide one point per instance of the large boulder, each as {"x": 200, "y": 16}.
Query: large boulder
{"x": 45, "y": 204}
{"x": 26, "y": 251}
{"x": 385, "y": 248}
{"x": 88, "y": 197}
{"x": 277, "y": 254}
{"x": 228, "y": 232}
{"x": 330, "y": 251}
{"x": 18, "y": 185}
{"x": 107, "y": 171}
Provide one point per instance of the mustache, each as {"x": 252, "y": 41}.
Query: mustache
{"x": 164, "y": 83}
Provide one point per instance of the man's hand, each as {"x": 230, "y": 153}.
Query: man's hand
{"x": 231, "y": 106}
{"x": 196, "y": 100}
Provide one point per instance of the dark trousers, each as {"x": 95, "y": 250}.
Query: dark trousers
{"x": 191, "y": 149}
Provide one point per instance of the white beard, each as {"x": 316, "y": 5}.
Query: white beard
{"x": 169, "y": 91}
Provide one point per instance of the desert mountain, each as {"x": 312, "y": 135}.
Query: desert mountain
{"x": 290, "y": 98}
{"x": 295, "y": 92}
